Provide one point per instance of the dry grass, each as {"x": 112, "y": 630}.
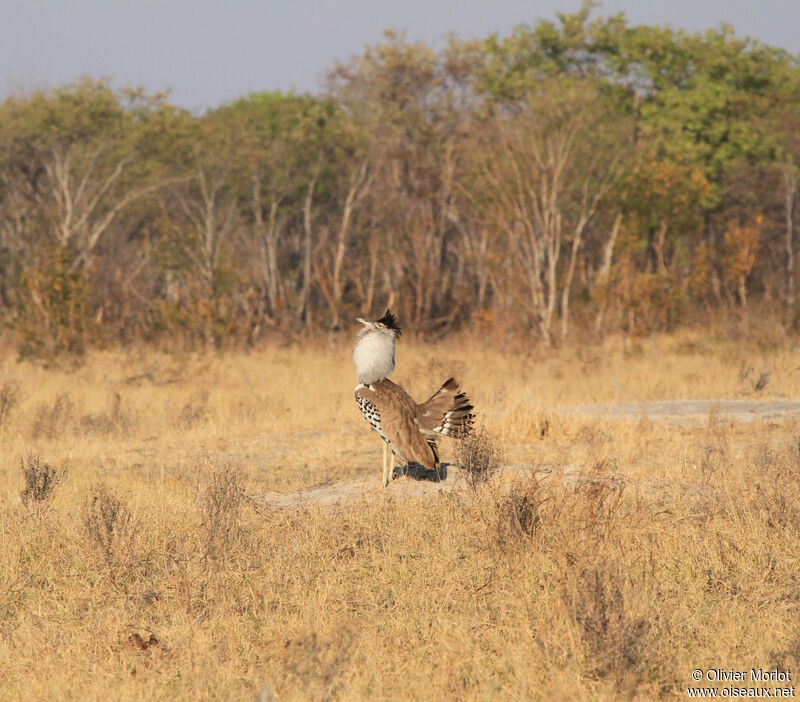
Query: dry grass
{"x": 156, "y": 571}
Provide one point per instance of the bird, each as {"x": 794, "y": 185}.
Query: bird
{"x": 409, "y": 430}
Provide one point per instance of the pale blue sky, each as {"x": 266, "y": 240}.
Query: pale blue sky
{"x": 210, "y": 51}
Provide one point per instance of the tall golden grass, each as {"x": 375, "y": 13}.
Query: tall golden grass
{"x": 152, "y": 563}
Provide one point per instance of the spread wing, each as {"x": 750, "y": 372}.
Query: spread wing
{"x": 447, "y": 413}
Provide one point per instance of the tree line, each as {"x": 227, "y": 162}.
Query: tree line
{"x": 579, "y": 174}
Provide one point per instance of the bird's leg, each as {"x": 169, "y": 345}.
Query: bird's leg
{"x": 391, "y": 464}
{"x": 386, "y": 472}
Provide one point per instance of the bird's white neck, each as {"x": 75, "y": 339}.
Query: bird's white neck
{"x": 373, "y": 354}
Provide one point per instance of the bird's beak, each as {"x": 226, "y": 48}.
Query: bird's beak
{"x": 363, "y": 321}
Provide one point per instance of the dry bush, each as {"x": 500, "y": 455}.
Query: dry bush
{"x": 114, "y": 419}
{"x": 596, "y": 503}
{"x": 618, "y": 640}
{"x": 41, "y": 479}
{"x": 748, "y": 380}
{"x": 220, "y": 509}
{"x": 577, "y": 526}
{"x": 773, "y": 487}
{"x": 479, "y": 456}
{"x": 518, "y": 512}
{"x": 51, "y": 421}
{"x": 110, "y": 528}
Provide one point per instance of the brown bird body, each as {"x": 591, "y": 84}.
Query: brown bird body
{"x": 396, "y": 422}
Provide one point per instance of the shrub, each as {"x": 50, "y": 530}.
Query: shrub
{"x": 115, "y": 418}
{"x": 479, "y": 457}
{"x": 51, "y": 420}
{"x": 109, "y": 527}
{"x": 618, "y": 641}
{"x": 518, "y": 513}
{"x": 41, "y": 479}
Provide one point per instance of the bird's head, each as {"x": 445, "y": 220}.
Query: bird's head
{"x": 387, "y": 324}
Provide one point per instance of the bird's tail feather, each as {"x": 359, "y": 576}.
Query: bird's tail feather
{"x": 448, "y": 412}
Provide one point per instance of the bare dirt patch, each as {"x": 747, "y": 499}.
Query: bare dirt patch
{"x": 681, "y": 411}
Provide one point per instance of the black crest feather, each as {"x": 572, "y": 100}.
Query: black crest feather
{"x": 390, "y": 322}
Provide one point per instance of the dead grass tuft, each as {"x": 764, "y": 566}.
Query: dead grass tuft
{"x": 41, "y": 479}
{"x": 220, "y": 509}
{"x": 115, "y": 419}
{"x": 110, "y": 528}
{"x": 52, "y": 420}
{"x": 774, "y": 487}
{"x": 518, "y": 513}
{"x": 619, "y": 641}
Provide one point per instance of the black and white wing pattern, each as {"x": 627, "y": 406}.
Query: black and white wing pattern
{"x": 370, "y": 412}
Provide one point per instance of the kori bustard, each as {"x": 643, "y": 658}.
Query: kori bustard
{"x": 410, "y": 430}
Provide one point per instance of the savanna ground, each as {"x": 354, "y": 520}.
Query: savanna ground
{"x": 149, "y": 556}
